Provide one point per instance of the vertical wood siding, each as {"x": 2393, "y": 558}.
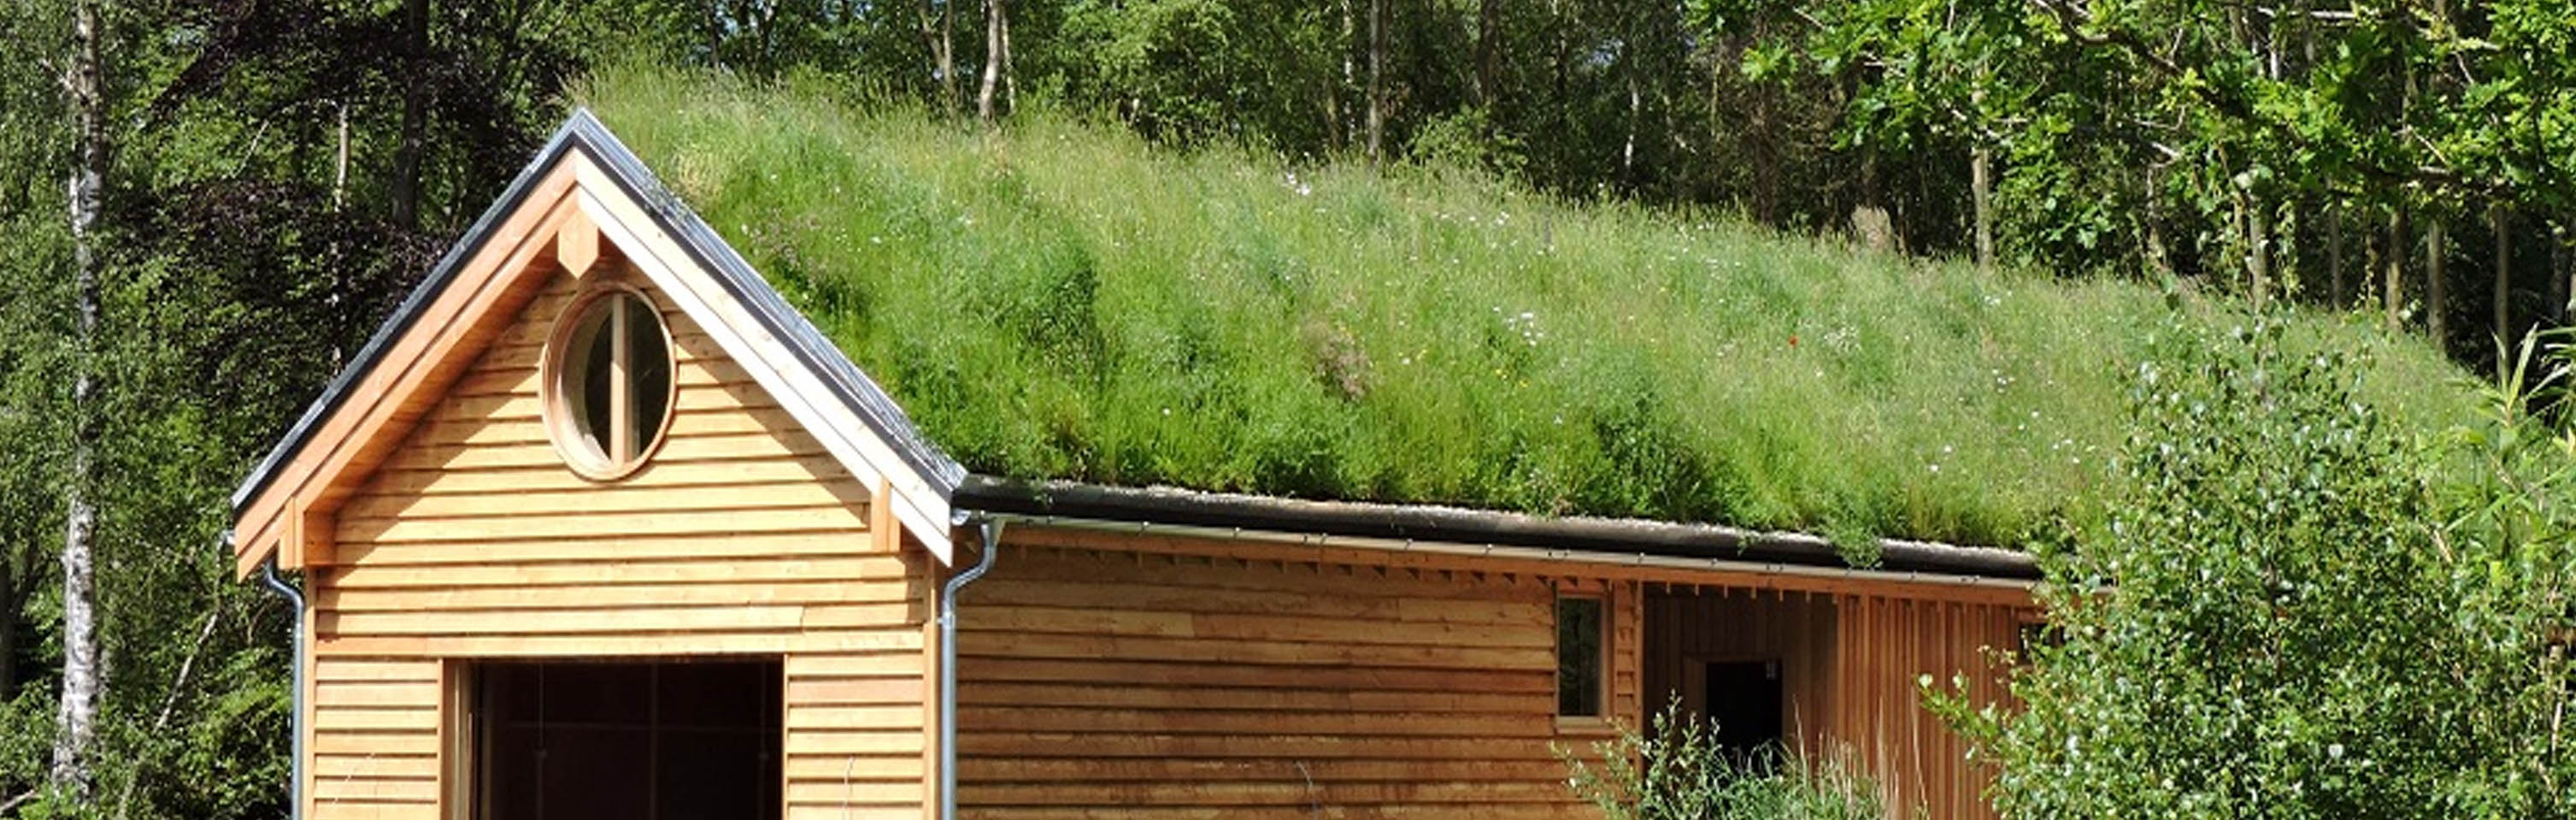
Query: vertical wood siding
{"x": 1852, "y": 665}
{"x": 1894, "y": 642}
{"x": 1099, "y": 684}
{"x": 741, "y": 537}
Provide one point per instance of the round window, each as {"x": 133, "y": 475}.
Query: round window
{"x": 607, "y": 383}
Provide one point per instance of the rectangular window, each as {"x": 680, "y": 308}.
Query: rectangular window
{"x": 631, "y": 740}
{"x": 1579, "y": 625}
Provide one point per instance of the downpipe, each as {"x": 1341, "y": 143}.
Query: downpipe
{"x": 991, "y": 529}
{"x": 295, "y": 718}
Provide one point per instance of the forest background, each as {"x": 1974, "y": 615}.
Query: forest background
{"x": 205, "y": 205}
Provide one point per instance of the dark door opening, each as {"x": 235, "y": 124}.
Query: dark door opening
{"x": 627, "y": 741}
{"x": 1744, "y": 698}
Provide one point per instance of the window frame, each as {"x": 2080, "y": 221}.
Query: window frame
{"x": 1602, "y": 679}
{"x": 563, "y": 420}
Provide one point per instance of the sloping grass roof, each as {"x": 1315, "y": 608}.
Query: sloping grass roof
{"x": 1065, "y": 301}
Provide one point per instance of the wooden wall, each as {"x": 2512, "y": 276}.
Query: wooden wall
{"x": 1720, "y": 624}
{"x": 1884, "y": 645}
{"x": 1851, "y": 669}
{"x": 741, "y": 537}
{"x": 1107, "y": 683}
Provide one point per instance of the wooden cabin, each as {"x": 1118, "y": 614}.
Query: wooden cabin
{"x": 597, "y": 525}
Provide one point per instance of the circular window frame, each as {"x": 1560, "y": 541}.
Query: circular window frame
{"x": 561, "y": 419}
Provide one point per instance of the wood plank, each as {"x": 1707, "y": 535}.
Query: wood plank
{"x": 616, "y": 645}
{"x": 827, "y": 543}
{"x": 1223, "y": 626}
{"x": 1119, "y": 671}
{"x": 870, "y": 571}
{"x": 396, "y": 482}
{"x": 1045, "y": 770}
{"x": 1271, "y": 746}
{"x": 676, "y": 449}
{"x": 1291, "y": 792}
{"x": 1336, "y": 700}
{"x": 780, "y": 618}
{"x": 1015, "y": 644}
{"x": 798, "y": 591}
{"x": 1346, "y": 603}
{"x": 1235, "y": 723}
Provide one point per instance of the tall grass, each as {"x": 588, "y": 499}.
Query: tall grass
{"x": 1063, "y": 300}
{"x": 1674, "y": 769}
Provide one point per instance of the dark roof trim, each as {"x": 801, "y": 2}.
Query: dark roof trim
{"x": 1163, "y": 505}
{"x": 585, "y": 133}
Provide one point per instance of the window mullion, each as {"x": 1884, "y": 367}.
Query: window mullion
{"x": 621, "y": 399}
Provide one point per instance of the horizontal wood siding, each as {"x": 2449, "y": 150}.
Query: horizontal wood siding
{"x": 1102, "y": 683}
{"x": 741, "y": 537}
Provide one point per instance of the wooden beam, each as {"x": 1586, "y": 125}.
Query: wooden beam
{"x": 885, "y": 533}
{"x": 1436, "y": 558}
{"x": 428, "y": 354}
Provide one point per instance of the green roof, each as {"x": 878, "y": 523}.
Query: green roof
{"x": 1065, "y": 301}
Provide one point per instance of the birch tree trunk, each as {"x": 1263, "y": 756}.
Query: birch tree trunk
{"x": 1981, "y": 188}
{"x": 70, "y": 776}
{"x": 406, "y": 182}
{"x": 997, "y": 21}
{"x": 2436, "y": 247}
{"x": 1376, "y": 69}
{"x": 2393, "y": 268}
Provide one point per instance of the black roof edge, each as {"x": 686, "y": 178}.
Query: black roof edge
{"x": 1425, "y": 522}
{"x": 584, "y": 131}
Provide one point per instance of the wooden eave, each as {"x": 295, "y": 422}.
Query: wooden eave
{"x": 585, "y": 197}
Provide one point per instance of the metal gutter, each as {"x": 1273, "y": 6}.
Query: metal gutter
{"x": 295, "y": 719}
{"x": 1408, "y": 526}
{"x": 991, "y": 528}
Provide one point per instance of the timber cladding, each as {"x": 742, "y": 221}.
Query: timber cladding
{"x": 1181, "y": 686}
{"x": 742, "y": 538}
{"x": 1250, "y": 681}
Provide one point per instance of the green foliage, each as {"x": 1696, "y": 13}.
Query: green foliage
{"x": 1674, "y": 770}
{"x": 1061, "y": 300}
{"x": 2298, "y": 610}
{"x": 2196, "y": 136}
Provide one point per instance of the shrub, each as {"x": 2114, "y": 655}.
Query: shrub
{"x": 1676, "y": 771}
{"x": 2295, "y": 613}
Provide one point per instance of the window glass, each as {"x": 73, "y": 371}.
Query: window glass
{"x": 611, "y": 384}
{"x": 652, "y": 377}
{"x": 1578, "y": 657}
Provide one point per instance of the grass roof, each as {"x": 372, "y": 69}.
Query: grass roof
{"x": 1065, "y": 301}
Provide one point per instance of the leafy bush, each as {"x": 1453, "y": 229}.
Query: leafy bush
{"x": 2296, "y": 613}
{"x": 1676, "y": 771}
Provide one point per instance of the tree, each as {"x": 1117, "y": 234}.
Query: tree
{"x": 2292, "y": 613}
{"x": 70, "y": 777}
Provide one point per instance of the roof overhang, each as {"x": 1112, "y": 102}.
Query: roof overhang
{"x": 582, "y": 191}
{"x": 1602, "y": 542}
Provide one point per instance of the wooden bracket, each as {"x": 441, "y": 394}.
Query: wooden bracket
{"x": 885, "y": 533}
{"x": 577, "y": 244}
{"x": 307, "y": 541}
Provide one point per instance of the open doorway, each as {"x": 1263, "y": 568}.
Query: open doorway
{"x": 634, "y": 740}
{"x": 1744, "y": 699}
